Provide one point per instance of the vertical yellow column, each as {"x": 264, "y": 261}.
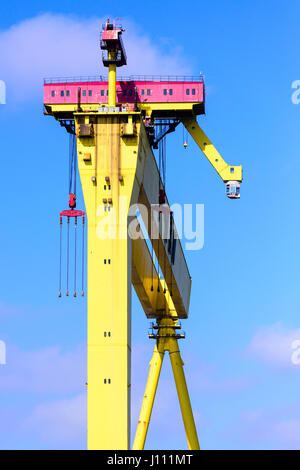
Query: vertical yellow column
{"x": 102, "y": 159}
{"x": 112, "y": 77}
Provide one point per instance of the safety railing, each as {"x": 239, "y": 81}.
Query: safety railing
{"x": 161, "y": 78}
{"x": 115, "y": 25}
{"x": 129, "y": 78}
{"x": 97, "y": 78}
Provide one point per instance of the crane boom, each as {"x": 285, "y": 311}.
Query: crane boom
{"x": 232, "y": 175}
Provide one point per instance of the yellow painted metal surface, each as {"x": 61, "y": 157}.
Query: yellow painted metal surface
{"x": 227, "y": 172}
{"x": 168, "y": 108}
{"x": 158, "y": 109}
{"x": 176, "y": 274}
{"x": 166, "y": 341}
{"x": 118, "y": 169}
{"x": 147, "y": 284}
{"x": 114, "y": 176}
{"x": 149, "y": 396}
{"x": 112, "y": 81}
{"x": 58, "y": 110}
{"x": 110, "y": 183}
{"x": 183, "y": 395}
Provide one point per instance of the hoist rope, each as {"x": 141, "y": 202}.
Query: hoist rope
{"x": 82, "y": 274}
{"x": 60, "y": 257}
{"x": 72, "y": 164}
{"x": 71, "y": 214}
{"x": 68, "y": 257}
{"x": 75, "y": 256}
{"x": 185, "y": 136}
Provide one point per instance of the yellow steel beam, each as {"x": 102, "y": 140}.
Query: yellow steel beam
{"x": 227, "y": 172}
{"x": 145, "y": 279}
{"x": 149, "y": 396}
{"x": 176, "y": 274}
{"x": 112, "y": 80}
{"x": 118, "y": 169}
{"x": 183, "y": 395}
{"x": 151, "y": 289}
{"x": 166, "y": 341}
{"x": 57, "y": 110}
{"x": 114, "y": 156}
{"x": 172, "y": 109}
{"x": 150, "y": 108}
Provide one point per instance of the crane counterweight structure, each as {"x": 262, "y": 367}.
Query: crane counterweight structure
{"x": 117, "y": 124}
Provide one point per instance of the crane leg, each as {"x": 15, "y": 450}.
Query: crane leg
{"x": 149, "y": 396}
{"x": 166, "y": 341}
{"x": 183, "y": 395}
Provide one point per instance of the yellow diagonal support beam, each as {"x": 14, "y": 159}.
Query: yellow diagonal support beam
{"x": 183, "y": 394}
{"x": 227, "y": 172}
{"x": 149, "y": 396}
{"x": 166, "y": 341}
{"x": 146, "y": 282}
{"x": 175, "y": 272}
{"x": 151, "y": 289}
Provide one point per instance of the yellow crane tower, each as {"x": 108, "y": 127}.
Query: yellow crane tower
{"x": 116, "y": 125}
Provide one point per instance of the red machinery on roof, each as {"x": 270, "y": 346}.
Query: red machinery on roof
{"x": 112, "y": 43}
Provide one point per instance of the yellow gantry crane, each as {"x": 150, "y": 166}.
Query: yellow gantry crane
{"x": 119, "y": 174}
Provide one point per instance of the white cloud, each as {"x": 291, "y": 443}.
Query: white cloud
{"x": 52, "y": 45}
{"x": 166, "y": 420}
{"x": 274, "y": 345}
{"x": 50, "y": 423}
{"x": 59, "y": 424}
{"x": 268, "y": 429}
{"x": 48, "y": 370}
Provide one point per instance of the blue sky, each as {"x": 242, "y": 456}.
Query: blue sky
{"x": 244, "y": 310}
